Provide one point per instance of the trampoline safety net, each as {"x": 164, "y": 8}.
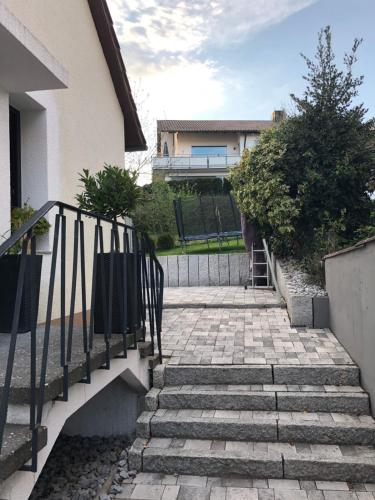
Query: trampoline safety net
{"x": 207, "y": 217}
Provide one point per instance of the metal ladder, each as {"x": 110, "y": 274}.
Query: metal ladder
{"x": 259, "y": 268}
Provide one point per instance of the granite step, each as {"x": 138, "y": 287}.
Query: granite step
{"x": 20, "y": 389}
{"x": 16, "y": 449}
{"x": 269, "y": 397}
{"x": 218, "y": 374}
{"x": 256, "y": 459}
{"x": 197, "y": 458}
{"x": 318, "y": 428}
{"x": 260, "y": 374}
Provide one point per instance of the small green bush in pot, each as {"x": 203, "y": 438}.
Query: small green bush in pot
{"x": 9, "y": 271}
{"x": 113, "y": 193}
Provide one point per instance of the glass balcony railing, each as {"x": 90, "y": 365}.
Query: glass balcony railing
{"x": 194, "y": 162}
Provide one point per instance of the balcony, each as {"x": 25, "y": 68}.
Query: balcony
{"x": 194, "y": 162}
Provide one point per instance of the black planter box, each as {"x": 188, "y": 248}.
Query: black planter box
{"x": 9, "y": 269}
{"x": 133, "y": 293}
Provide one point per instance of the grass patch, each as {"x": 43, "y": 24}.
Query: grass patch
{"x": 230, "y": 245}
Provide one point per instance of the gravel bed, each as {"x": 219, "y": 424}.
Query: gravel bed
{"x": 81, "y": 468}
{"x": 298, "y": 280}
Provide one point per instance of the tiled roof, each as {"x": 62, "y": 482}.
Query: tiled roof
{"x": 213, "y": 125}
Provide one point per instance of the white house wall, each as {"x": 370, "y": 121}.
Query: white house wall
{"x": 82, "y": 126}
{"x": 4, "y": 163}
{"x": 85, "y": 123}
{"x": 188, "y": 139}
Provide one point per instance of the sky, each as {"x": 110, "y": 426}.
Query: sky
{"x": 233, "y": 59}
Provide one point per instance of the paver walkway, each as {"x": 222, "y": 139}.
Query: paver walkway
{"x": 247, "y": 407}
{"x": 225, "y": 296}
{"x": 184, "y": 487}
{"x": 245, "y": 336}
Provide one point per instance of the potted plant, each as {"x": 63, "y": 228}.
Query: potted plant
{"x": 113, "y": 193}
{"x": 9, "y": 270}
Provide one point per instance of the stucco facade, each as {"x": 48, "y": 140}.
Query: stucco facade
{"x": 4, "y": 162}
{"x": 55, "y": 73}
{"x": 64, "y": 130}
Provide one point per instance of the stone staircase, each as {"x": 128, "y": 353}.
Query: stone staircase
{"x": 307, "y": 423}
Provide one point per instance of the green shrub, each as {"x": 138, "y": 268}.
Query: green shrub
{"x": 19, "y": 216}
{"x": 165, "y": 242}
{"x": 154, "y": 211}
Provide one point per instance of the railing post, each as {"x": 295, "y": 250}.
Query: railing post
{"x": 47, "y": 330}
{"x": 63, "y": 363}
{"x": 86, "y": 346}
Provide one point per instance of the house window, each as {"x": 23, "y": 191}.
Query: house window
{"x": 209, "y": 150}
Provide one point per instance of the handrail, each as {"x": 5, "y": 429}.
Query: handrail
{"x": 270, "y": 266}
{"x": 195, "y": 156}
{"x": 194, "y": 161}
{"x": 39, "y": 214}
{"x": 125, "y": 287}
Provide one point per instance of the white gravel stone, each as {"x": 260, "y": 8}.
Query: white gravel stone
{"x": 299, "y": 282}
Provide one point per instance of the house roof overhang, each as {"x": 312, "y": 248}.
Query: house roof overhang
{"x": 25, "y": 63}
{"x": 134, "y": 138}
{"x": 238, "y": 126}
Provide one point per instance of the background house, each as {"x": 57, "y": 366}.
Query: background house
{"x": 204, "y": 148}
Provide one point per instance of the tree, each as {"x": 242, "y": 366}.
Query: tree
{"x": 140, "y": 161}
{"x": 306, "y": 185}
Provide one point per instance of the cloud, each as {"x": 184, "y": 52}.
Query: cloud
{"x": 187, "y": 88}
{"x": 165, "y": 43}
{"x": 186, "y": 26}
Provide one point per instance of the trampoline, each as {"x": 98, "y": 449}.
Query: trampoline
{"x": 207, "y": 217}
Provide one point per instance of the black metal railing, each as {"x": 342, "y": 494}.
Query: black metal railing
{"x": 121, "y": 296}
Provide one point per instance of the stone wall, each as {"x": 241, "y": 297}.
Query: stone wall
{"x": 206, "y": 270}
{"x": 303, "y": 309}
{"x": 350, "y": 282}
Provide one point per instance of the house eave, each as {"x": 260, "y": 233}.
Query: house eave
{"x": 134, "y": 138}
{"x": 25, "y": 63}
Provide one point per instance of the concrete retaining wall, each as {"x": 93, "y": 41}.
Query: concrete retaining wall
{"x": 350, "y": 282}
{"x": 303, "y": 310}
{"x": 206, "y": 270}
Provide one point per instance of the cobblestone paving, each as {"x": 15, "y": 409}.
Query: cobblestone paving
{"x": 224, "y": 295}
{"x": 265, "y": 388}
{"x": 245, "y": 336}
{"x": 269, "y": 415}
{"x": 176, "y": 487}
{"x": 326, "y": 450}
